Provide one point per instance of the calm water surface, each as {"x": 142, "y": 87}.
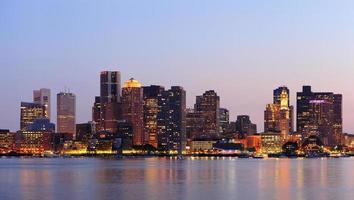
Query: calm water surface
{"x": 154, "y": 178}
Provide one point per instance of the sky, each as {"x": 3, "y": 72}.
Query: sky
{"x": 241, "y": 49}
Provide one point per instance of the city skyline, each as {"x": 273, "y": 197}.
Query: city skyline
{"x": 299, "y": 48}
{"x": 189, "y": 107}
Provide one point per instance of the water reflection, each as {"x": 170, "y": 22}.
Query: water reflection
{"x": 173, "y": 179}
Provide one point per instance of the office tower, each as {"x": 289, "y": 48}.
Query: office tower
{"x": 278, "y": 95}
{"x": 278, "y": 116}
{"x": 106, "y": 110}
{"x": 151, "y": 109}
{"x": 171, "y": 120}
{"x": 30, "y": 112}
{"x": 66, "y": 113}
{"x": 41, "y": 124}
{"x": 194, "y": 125}
{"x": 132, "y": 109}
{"x": 110, "y": 115}
{"x": 42, "y": 96}
{"x": 96, "y": 113}
{"x": 337, "y": 119}
{"x": 320, "y": 114}
{"x": 244, "y": 126}
{"x": 224, "y": 118}
{"x": 209, "y": 104}
{"x": 110, "y": 86}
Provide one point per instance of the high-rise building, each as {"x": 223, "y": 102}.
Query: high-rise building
{"x": 244, "y": 126}
{"x": 111, "y": 113}
{"x": 278, "y": 95}
{"x": 224, "y": 117}
{"x": 209, "y": 104}
{"x": 338, "y": 119}
{"x": 42, "y": 96}
{"x": 66, "y": 113}
{"x": 320, "y": 114}
{"x": 278, "y": 116}
{"x": 132, "y": 109}
{"x": 96, "y": 113}
{"x": 110, "y": 86}
{"x": 31, "y": 112}
{"x": 151, "y": 111}
{"x": 171, "y": 120}
{"x": 194, "y": 125}
{"x": 106, "y": 110}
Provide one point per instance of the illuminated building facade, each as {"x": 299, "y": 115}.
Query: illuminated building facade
{"x": 224, "y": 119}
{"x": 271, "y": 142}
{"x": 151, "y": 110}
{"x": 7, "y": 141}
{"x": 244, "y": 126}
{"x": 31, "y": 112}
{"x": 278, "y": 116}
{"x": 209, "y": 104}
{"x": 42, "y": 96}
{"x": 202, "y": 145}
{"x": 132, "y": 109}
{"x": 36, "y": 138}
{"x": 66, "y": 113}
{"x": 320, "y": 114}
{"x": 171, "y": 120}
{"x": 194, "y": 125}
{"x": 254, "y": 141}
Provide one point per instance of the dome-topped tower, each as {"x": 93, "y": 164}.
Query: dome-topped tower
{"x": 132, "y": 83}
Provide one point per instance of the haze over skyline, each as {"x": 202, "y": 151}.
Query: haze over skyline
{"x": 242, "y": 50}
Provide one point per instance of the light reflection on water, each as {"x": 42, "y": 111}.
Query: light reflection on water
{"x": 154, "y": 178}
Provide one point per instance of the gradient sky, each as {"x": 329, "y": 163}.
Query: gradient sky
{"x": 241, "y": 49}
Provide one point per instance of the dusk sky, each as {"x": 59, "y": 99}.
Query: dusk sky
{"x": 241, "y": 49}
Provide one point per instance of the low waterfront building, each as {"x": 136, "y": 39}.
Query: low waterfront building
{"x": 254, "y": 142}
{"x": 228, "y": 148}
{"x": 201, "y": 145}
{"x": 36, "y": 138}
{"x": 271, "y": 142}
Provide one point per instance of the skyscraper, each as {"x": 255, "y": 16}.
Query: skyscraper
{"x": 132, "y": 109}
{"x": 66, "y": 113}
{"x": 224, "y": 118}
{"x": 42, "y": 96}
{"x": 110, "y": 86}
{"x": 320, "y": 114}
{"x": 209, "y": 104}
{"x": 278, "y": 116}
{"x": 171, "y": 120}
{"x": 106, "y": 109}
{"x": 151, "y": 111}
{"x": 96, "y": 113}
{"x": 30, "y": 112}
{"x": 194, "y": 125}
